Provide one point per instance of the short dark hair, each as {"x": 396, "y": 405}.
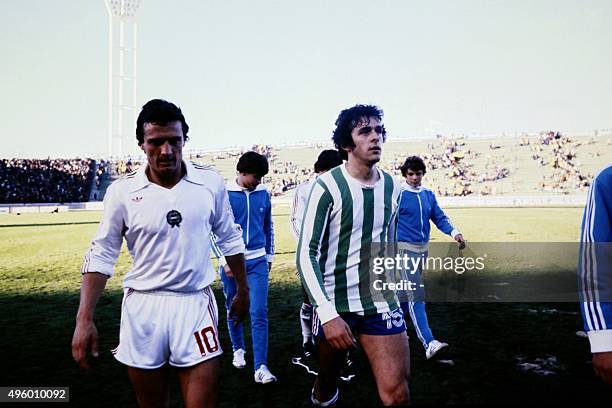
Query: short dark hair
{"x": 328, "y": 159}
{"x": 253, "y": 163}
{"x": 159, "y": 112}
{"x": 414, "y": 163}
{"x": 348, "y": 120}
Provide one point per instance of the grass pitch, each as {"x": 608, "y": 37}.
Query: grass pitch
{"x": 502, "y": 352}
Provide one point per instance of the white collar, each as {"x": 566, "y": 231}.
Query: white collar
{"x": 142, "y": 180}
{"x": 408, "y": 187}
{"x": 349, "y": 177}
{"x": 234, "y": 186}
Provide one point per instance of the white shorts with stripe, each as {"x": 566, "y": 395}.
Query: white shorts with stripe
{"x": 167, "y": 327}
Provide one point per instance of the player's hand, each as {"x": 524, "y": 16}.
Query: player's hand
{"x": 338, "y": 334}
{"x": 602, "y": 365}
{"x": 460, "y": 240}
{"x": 240, "y": 305}
{"x": 85, "y": 337}
{"x": 228, "y": 271}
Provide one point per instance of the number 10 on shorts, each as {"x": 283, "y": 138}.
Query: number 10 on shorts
{"x": 204, "y": 338}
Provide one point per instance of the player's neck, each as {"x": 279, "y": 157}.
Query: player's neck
{"x": 166, "y": 181}
{"x": 240, "y": 184}
{"x": 363, "y": 172}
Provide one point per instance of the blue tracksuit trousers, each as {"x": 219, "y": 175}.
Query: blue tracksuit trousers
{"x": 257, "y": 277}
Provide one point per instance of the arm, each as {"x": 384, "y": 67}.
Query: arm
{"x": 217, "y": 254}
{"x": 240, "y": 304}
{"x": 98, "y": 266}
{"x": 269, "y": 231}
{"x": 297, "y": 211}
{"x": 85, "y": 332}
{"x": 230, "y": 243}
{"x": 594, "y": 262}
{"x": 336, "y": 330}
{"x": 444, "y": 224}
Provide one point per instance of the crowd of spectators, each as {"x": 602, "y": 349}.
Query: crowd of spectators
{"x": 456, "y": 162}
{"x": 285, "y": 175}
{"x": 46, "y": 181}
{"x": 558, "y": 152}
{"x": 451, "y": 165}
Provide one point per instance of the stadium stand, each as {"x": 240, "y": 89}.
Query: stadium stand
{"x": 548, "y": 163}
{"x": 46, "y": 181}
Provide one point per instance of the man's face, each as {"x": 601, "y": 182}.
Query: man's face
{"x": 249, "y": 180}
{"x": 163, "y": 146}
{"x": 367, "y": 136}
{"x": 413, "y": 178}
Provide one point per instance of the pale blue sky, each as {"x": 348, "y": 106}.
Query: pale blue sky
{"x": 280, "y": 71}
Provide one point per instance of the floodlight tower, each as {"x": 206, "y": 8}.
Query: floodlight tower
{"x": 121, "y": 75}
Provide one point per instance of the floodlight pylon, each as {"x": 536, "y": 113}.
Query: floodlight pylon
{"x": 122, "y": 60}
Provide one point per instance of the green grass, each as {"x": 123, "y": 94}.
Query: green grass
{"x": 39, "y": 290}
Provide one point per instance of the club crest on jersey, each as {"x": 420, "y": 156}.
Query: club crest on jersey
{"x": 174, "y": 218}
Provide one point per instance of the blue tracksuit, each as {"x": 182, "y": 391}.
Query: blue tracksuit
{"x": 253, "y": 211}
{"x": 417, "y": 207}
{"x": 595, "y": 266}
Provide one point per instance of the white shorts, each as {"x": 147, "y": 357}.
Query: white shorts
{"x": 167, "y": 327}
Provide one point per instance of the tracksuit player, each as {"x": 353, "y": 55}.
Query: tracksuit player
{"x": 252, "y": 208}
{"x": 417, "y": 206}
{"x": 595, "y": 272}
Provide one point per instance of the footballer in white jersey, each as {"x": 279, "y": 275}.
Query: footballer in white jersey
{"x": 166, "y": 212}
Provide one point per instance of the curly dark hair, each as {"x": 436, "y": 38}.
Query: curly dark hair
{"x": 348, "y": 120}
{"x": 414, "y": 163}
{"x": 328, "y": 159}
{"x": 159, "y": 112}
{"x": 253, "y": 163}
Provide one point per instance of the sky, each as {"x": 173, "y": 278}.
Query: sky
{"x": 275, "y": 72}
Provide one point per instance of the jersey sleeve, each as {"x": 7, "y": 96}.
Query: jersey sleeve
{"x": 394, "y": 221}
{"x": 441, "y": 220}
{"x": 268, "y": 227}
{"x": 309, "y": 250}
{"x": 297, "y": 210}
{"x": 216, "y": 251}
{"x": 295, "y": 218}
{"x": 106, "y": 245}
{"x": 227, "y": 231}
{"x": 595, "y": 266}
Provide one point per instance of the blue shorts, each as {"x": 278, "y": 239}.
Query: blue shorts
{"x": 380, "y": 324}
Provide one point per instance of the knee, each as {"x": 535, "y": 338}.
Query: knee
{"x": 396, "y": 395}
{"x": 258, "y": 313}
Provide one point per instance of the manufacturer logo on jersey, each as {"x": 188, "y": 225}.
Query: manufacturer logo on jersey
{"x": 136, "y": 199}
{"x": 174, "y": 218}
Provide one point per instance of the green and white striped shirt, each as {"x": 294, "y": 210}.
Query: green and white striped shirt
{"x": 343, "y": 223}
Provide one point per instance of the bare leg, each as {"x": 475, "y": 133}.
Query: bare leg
{"x": 330, "y": 363}
{"x": 389, "y": 358}
{"x": 200, "y": 383}
{"x": 150, "y": 386}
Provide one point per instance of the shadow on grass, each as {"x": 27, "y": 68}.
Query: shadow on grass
{"x": 488, "y": 342}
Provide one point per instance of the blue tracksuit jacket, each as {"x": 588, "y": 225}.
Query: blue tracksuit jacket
{"x": 417, "y": 207}
{"x": 253, "y": 211}
{"x": 595, "y": 266}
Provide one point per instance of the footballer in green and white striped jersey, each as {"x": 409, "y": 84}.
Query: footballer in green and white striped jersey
{"x": 343, "y": 224}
